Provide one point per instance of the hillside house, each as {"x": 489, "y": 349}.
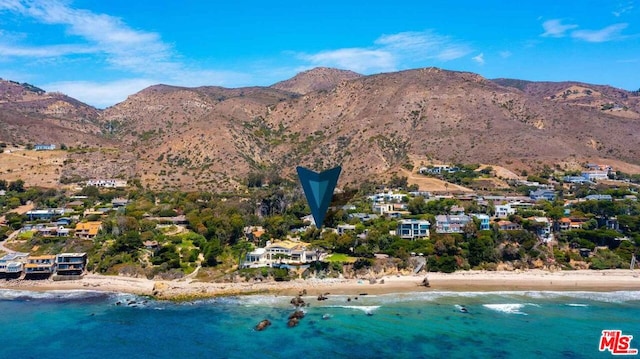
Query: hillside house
{"x": 344, "y": 228}
{"x": 504, "y": 210}
{"x": 413, "y": 229}
{"x": 595, "y": 175}
{"x": 45, "y": 214}
{"x": 88, "y": 230}
{"x": 508, "y": 226}
{"x": 542, "y": 194}
{"x": 484, "y": 221}
{"x": 451, "y": 223}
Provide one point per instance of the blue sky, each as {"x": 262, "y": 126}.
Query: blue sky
{"x": 102, "y": 51}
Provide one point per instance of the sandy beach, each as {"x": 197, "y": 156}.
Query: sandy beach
{"x": 585, "y": 280}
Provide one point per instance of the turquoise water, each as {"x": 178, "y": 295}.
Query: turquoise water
{"x": 80, "y": 324}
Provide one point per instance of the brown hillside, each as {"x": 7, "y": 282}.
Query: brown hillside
{"x": 210, "y": 138}
{"x": 317, "y": 79}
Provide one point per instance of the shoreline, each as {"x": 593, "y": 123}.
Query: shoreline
{"x": 462, "y": 281}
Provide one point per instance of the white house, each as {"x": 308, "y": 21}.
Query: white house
{"x": 504, "y": 210}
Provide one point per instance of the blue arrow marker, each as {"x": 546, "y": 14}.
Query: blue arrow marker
{"x": 318, "y": 188}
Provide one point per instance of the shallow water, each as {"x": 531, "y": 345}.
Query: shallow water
{"x": 79, "y": 324}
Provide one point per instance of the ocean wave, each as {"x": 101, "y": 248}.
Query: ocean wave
{"x": 508, "y": 308}
{"x": 11, "y": 294}
{"x": 368, "y": 309}
{"x": 607, "y": 297}
{"x": 577, "y": 305}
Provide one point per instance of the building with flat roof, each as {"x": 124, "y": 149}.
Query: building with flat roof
{"x": 70, "y": 263}
{"x": 39, "y": 266}
{"x": 413, "y": 229}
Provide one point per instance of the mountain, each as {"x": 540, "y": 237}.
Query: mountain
{"x": 31, "y": 115}
{"x": 317, "y": 79}
{"x": 210, "y": 138}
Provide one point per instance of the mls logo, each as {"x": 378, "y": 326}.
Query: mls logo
{"x": 318, "y": 188}
{"x": 616, "y": 343}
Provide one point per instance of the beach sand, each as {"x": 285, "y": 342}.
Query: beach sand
{"x": 583, "y": 280}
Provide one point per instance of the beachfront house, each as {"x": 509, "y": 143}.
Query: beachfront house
{"x": 290, "y": 252}
{"x": 70, "y": 263}
{"x": 12, "y": 264}
{"x": 38, "y": 267}
{"x": 413, "y": 229}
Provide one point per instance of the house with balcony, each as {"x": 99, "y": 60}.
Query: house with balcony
{"x": 451, "y": 223}
{"x": 12, "y": 264}
{"x": 413, "y": 229}
{"x": 543, "y": 227}
{"x": 290, "y": 252}
{"x": 344, "y": 228}
{"x": 39, "y": 267}
{"x": 88, "y": 230}
{"x": 595, "y": 175}
{"x": 484, "y": 221}
{"x": 542, "y": 194}
{"x": 504, "y": 210}
{"x": 508, "y": 226}
{"x": 70, "y": 263}
{"x": 45, "y": 213}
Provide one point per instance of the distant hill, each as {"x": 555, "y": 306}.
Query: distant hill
{"x": 317, "y": 79}
{"x": 210, "y": 138}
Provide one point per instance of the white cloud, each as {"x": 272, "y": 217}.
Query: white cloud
{"x": 44, "y": 51}
{"x": 479, "y": 59}
{"x": 609, "y": 33}
{"x": 555, "y": 28}
{"x": 106, "y": 35}
{"x": 622, "y": 8}
{"x": 505, "y": 54}
{"x": 100, "y": 94}
{"x": 425, "y": 45}
{"x": 355, "y": 59}
{"x": 389, "y": 52}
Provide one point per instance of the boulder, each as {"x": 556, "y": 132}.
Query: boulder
{"x": 263, "y": 325}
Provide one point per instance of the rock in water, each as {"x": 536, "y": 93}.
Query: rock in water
{"x": 263, "y": 325}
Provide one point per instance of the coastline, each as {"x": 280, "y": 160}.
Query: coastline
{"x": 462, "y": 281}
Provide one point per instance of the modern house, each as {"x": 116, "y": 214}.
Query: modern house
{"x": 256, "y": 258}
{"x": 71, "y": 263}
{"x": 566, "y": 224}
{"x": 504, "y": 210}
{"x": 508, "y": 226}
{"x": 541, "y": 194}
{"x": 598, "y": 197}
{"x": 45, "y": 214}
{"x": 484, "y": 221}
{"x": 451, "y": 223}
{"x": 290, "y": 252}
{"x": 543, "y": 226}
{"x": 413, "y": 229}
{"x": 344, "y": 228}
{"x": 39, "y": 266}
{"x": 88, "y": 230}
{"x": 595, "y": 175}
{"x": 11, "y": 265}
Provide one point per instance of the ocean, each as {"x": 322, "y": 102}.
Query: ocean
{"x": 533, "y": 324}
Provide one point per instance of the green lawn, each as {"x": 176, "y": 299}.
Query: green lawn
{"x": 339, "y": 257}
